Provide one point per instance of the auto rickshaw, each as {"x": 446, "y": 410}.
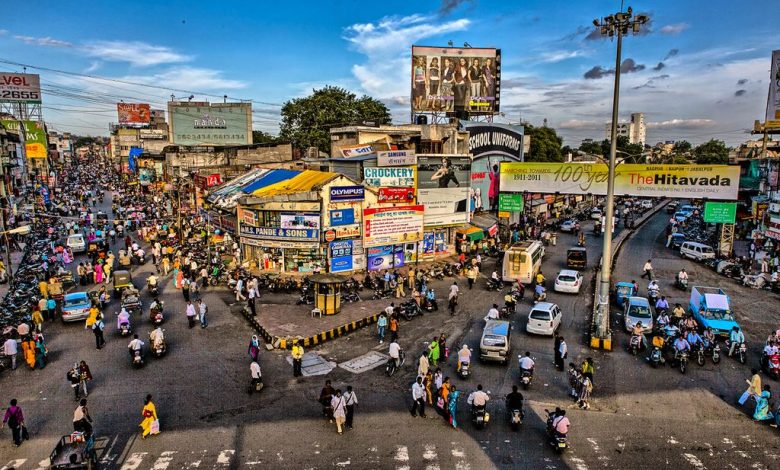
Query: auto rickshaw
{"x": 122, "y": 281}
{"x": 622, "y": 291}
{"x": 576, "y": 258}
{"x": 131, "y": 300}
{"x": 124, "y": 259}
{"x": 97, "y": 249}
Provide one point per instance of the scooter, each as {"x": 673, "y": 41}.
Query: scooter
{"x": 137, "y": 358}
{"x": 391, "y": 366}
{"x": 125, "y": 329}
{"x": 681, "y": 284}
{"x": 635, "y": 344}
{"x": 154, "y": 290}
{"x": 771, "y": 365}
{"x": 464, "y": 371}
{"x": 526, "y": 377}
{"x": 479, "y": 416}
{"x": 255, "y": 385}
{"x": 494, "y": 284}
{"x": 558, "y": 441}
{"x": 540, "y": 297}
{"x": 515, "y": 418}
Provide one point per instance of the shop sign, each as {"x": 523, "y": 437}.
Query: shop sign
{"x": 385, "y": 257}
{"x": 278, "y": 243}
{"x": 340, "y": 248}
{"x": 396, "y": 158}
{"x": 342, "y": 217}
{"x": 449, "y": 206}
{"x": 341, "y": 264}
{"x": 641, "y": 180}
{"x": 271, "y": 233}
{"x": 300, "y": 220}
{"x": 248, "y": 217}
{"x": 347, "y": 193}
{"x": 357, "y": 151}
{"x": 720, "y": 212}
{"x": 205, "y": 182}
{"x": 402, "y": 195}
{"x": 386, "y": 225}
{"x": 399, "y": 177}
{"x": 504, "y": 214}
{"x": 342, "y": 231}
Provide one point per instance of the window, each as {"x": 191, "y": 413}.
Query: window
{"x": 430, "y": 146}
{"x": 516, "y": 259}
{"x": 540, "y": 315}
{"x": 493, "y": 340}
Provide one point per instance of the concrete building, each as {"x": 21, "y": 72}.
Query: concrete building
{"x": 354, "y": 141}
{"x": 635, "y": 129}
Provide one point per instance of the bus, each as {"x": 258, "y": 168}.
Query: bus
{"x": 522, "y": 261}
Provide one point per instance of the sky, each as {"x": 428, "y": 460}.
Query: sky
{"x": 699, "y": 70}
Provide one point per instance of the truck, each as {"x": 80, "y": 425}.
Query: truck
{"x": 711, "y": 307}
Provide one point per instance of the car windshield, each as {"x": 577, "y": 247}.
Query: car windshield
{"x": 625, "y": 290}
{"x": 75, "y": 238}
{"x": 717, "y": 315}
{"x": 540, "y": 315}
{"x": 640, "y": 311}
{"x": 576, "y": 255}
{"x": 75, "y": 301}
{"x": 493, "y": 340}
{"x": 563, "y": 278}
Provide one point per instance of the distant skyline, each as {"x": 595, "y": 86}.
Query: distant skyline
{"x": 699, "y": 71}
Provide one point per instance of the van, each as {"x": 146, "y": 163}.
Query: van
{"x": 577, "y": 258}
{"x": 696, "y": 251}
{"x": 76, "y": 306}
{"x": 495, "y": 344}
{"x": 76, "y": 243}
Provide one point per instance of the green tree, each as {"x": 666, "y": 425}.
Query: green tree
{"x": 545, "y": 144}
{"x": 306, "y": 122}
{"x": 713, "y": 152}
{"x": 592, "y": 148}
{"x": 632, "y": 153}
{"x": 682, "y": 147}
{"x": 260, "y": 137}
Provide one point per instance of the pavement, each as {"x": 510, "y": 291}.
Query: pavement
{"x": 640, "y": 417}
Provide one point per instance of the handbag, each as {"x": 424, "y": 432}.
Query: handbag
{"x": 155, "y": 427}
{"x": 25, "y": 433}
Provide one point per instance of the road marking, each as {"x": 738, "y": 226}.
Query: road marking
{"x": 164, "y": 460}
{"x": 14, "y": 464}
{"x": 430, "y": 455}
{"x": 594, "y": 444}
{"x": 44, "y": 464}
{"x": 579, "y": 464}
{"x": 344, "y": 463}
{"x": 133, "y": 461}
{"x": 224, "y": 457}
{"x": 672, "y": 440}
{"x": 694, "y": 461}
{"x": 401, "y": 455}
{"x": 108, "y": 457}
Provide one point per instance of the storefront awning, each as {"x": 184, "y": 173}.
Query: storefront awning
{"x": 471, "y": 233}
{"x": 272, "y": 177}
{"x": 305, "y": 181}
{"x": 484, "y": 220}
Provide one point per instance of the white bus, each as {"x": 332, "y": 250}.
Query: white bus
{"x": 522, "y": 261}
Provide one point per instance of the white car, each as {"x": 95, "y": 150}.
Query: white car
{"x": 544, "y": 319}
{"x": 595, "y": 213}
{"x": 569, "y": 226}
{"x": 647, "y": 204}
{"x": 76, "y": 243}
{"x": 568, "y": 281}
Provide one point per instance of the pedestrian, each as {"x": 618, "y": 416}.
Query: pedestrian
{"x": 81, "y": 273}
{"x": 754, "y": 387}
{"x": 84, "y": 376}
{"x": 410, "y": 279}
{"x": 351, "y": 401}
{"x": 43, "y": 307}
{"x": 443, "y": 349}
{"x": 185, "y": 289}
{"x": 98, "y": 328}
{"x": 648, "y": 270}
{"x": 393, "y": 328}
{"x": 444, "y": 395}
{"x": 452, "y": 406}
{"x": 574, "y": 380}
{"x": 41, "y": 353}
{"x": 587, "y": 368}
{"x": 338, "y": 403}
{"x": 15, "y": 419}
{"x": 202, "y": 309}
{"x": 82, "y": 421}
{"x": 471, "y": 276}
{"x": 326, "y": 400}
{"x": 418, "y": 396}
{"x": 150, "y": 423}
{"x": 586, "y": 388}
{"x": 438, "y": 379}
{"x": 254, "y": 348}
{"x": 428, "y": 384}
{"x": 563, "y": 352}
{"x": 74, "y": 378}
{"x": 423, "y": 365}
{"x": 51, "y": 307}
{"x": 191, "y": 313}
{"x": 239, "y": 290}
{"x": 381, "y": 324}
{"x": 433, "y": 352}
{"x": 763, "y": 411}
{"x": 297, "y": 358}
{"x": 556, "y": 346}
{"x": 250, "y": 301}
{"x": 399, "y": 288}
{"x": 11, "y": 349}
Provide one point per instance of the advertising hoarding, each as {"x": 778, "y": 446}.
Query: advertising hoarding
{"x": 215, "y": 124}
{"x": 341, "y": 264}
{"x": 273, "y": 233}
{"x": 385, "y": 257}
{"x": 509, "y": 202}
{"x": 391, "y": 195}
{"x": 20, "y": 88}
{"x": 340, "y": 248}
{"x": 496, "y": 139}
{"x": 342, "y": 231}
{"x": 347, "y": 193}
{"x": 720, "y": 212}
{"x": 298, "y": 220}
{"x": 773, "y": 102}
{"x": 402, "y": 177}
{"x": 444, "y": 206}
{"x": 485, "y": 181}
{"x": 455, "y": 80}
{"x": 342, "y": 216}
{"x": 388, "y": 225}
{"x": 35, "y": 143}
{"x": 134, "y": 114}
{"x": 357, "y": 150}
{"x": 443, "y": 171}
{"x": 640, "y": 180}
{"x": 396, "y": 158}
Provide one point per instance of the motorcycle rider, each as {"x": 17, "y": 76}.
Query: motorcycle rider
{"x": 157, "y": 337}
{"x": 394, "y": 351}
{"x": 509, "y": 302}
{"x": 662, "y": 305}
{"x": 708, "y": 340}
{"x": 257, "y": 377}
{"x": 478, "y": 399}
{"x": 694, "y": 340}
{"x": 123, "y": 317}
{"x": 637, "y": 331}
{"x": 452, "y": 299}
{"x": 464, "y": 356}
{"x": 526, "y": 363}
{"x": 653, "y": 289}
{"x": 135, "y": 345}
{"x": 151, "y": 281}
{"x": 560, "y": 423}
{"x": 492, "y": 313}
{"x": 539, "y": 292}
{"x": 663, "y": 320}
{"x": 736, "y": 337}
{"x": 678, "y": 313}
{"x": 514, "y": 401}
{"x": 681, "y": 346}
{"x": 682, "y": 275}
{"x": 494, "y": 278}
{"x": 430, "y": 298}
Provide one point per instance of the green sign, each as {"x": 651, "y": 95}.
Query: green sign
{"x": 216, "y": 124}
{"x": 508, "y": 202}
{"x": 720, "y": 212}
{"x": 35, "y": 144}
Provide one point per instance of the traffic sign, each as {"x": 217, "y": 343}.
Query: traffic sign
{"x": 510, "y": 202}
{"x": 720, "y": 212}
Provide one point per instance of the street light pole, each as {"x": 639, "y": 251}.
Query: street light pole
{"x": 618, "y": 24}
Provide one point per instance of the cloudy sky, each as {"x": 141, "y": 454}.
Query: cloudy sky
{"x": 699, "y": 71}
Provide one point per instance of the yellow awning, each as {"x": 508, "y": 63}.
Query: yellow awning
{"x": 305, "y": 181}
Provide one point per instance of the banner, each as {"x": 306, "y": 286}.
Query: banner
{"x": 443, "y": 171}
{"x": 396, "y": 158}
{"x": 347, "y": 193}
{"x": 298, "y": 220}
{"x": 773, "y": 103}
{"x": 403, "y": 177}
{"x": 342, "y": 217}
{"x": 388, "y": 195}
{"x": 444, "y": 206}
{"x": 133, "y": 114}
{"x": 496, "y": 139}
{"x": 35, "y": 143}
{"x": 20, "y": 88}
{"x": 639, "y": 180}
{"x": 272, "y": 233}
{"x": 386, "y": 225}
{"x": 357, "y": 150}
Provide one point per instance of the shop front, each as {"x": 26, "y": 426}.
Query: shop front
{"x": 281, "y": 241}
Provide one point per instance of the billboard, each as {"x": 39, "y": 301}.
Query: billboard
{"x": 444, "y": 206}
{"x": 347, "y": 193}
{"x": 134, "y": 114}
{"x": 35, "y": 144}
{"x": 443, "y": 171}
{"x": 678, "y": 181}
{"x": 20, "y": 88}
{"x": 393, "y": 195}
{"x": 496, "y": 139}
{"x": 389, "y": 225}
{"x": 390, "y": 176}
{"x": 385, "y": 257}
{"x": 215, "y": 124}
{"x": 455, "y": 80}
{"x": 720, "y": 212}
{"x": 773, "y": 102}
{"x": 299, "y": 221}
{"x": 396, "y": 158}
{"x": 485, "y": 181}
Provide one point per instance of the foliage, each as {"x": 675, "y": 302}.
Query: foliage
{"x": 713, "y": 152}
{"x": 682, "y": 147}
{"x": 306, "y": 122}
{"x": 545, "y": 144}
{"x": 260, "y": 137}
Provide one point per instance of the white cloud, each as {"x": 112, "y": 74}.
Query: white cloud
{"x": 558, "y": 56}
{"x": 387, "y": 46}
{"x": 682, "y": 124}
{"x": 47, "y": 41}
{"x": 93, "y": 66}
{"x": 579, "y": 124}
{"x": 134, "y": 52}
{"x": 676, "y": 28}
{"x": 190, "y": 78}
{"x": 3, "y": 31}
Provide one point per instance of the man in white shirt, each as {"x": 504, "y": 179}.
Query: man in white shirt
{"x": 464, "y": 356}
{"x": 254, "y": 369}
{"x": 350, "y": 399}
{"x": 390, "y": 309}
{"x": 395, "y": 352}
{"x": 418, "y": 395}
{"x": 492, "y": 313}
{"x": 526, "y": 363}
{"x": 135, "y": 345}
{"x": 648, "y": 270}
{"x": 239, "y": 290}
{"x": 454, "y": 290}
{"x": 10, "y": 348}
{"x": 478, "y": 398}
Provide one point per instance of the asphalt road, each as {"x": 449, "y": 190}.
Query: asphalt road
{"x": 640, "y": 417}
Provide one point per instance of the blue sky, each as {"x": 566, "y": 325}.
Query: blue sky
{"x": 700, "y": 71}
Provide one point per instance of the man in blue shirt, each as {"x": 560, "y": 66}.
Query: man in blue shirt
{"x": 662, "y": 305}
{"x": 694, "y": 340}
{"x": 680, "y": 346}
{"x": 736, "y": 337}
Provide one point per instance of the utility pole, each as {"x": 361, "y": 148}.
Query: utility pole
{"x": 618, "y": 24}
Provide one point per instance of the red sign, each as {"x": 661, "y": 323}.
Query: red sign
{"x": 205, "y": 182}
{"x": 133, "y": 114}
{"x": 404, "y": 195}
{"x": 330, "y": 235}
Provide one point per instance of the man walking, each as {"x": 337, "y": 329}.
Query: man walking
{"x": 418, "y": 395}
{"x": 251, "y": 295}
{"x": 351, "y": 400}
{"x": 15, "y": 419}
{"x": 10, "y": 348}
{"x": 648, "y": 270}
{"x": 202, "y": 309}
{"x": 98, "y": 328}
{"x": 561, "y": 354}
{"x": 297, "y": 358}
{"x": 190, "y": 314}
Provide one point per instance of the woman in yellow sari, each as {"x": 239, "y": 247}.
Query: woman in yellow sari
{"x": 150, "y": 424}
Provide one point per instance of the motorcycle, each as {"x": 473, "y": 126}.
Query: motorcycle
{"x": 159, "y": 350}
{"x": 392, "y": 367}
{"x": 479, "y": 416}
{"x": 255, "y": 385}
{"x": 380, "y": 294}
{"x": 715, "y": 352}
{"x": 125, "y": 329}
{"x": 409, "y": 309}
{"x": 635, "y": 344}
{"x": 494, "y": 284}
{"x": 653, "y": 295}
{"x": 350, "y": 296}
{"x": 137, "y": 358}
{"x": 154, "y": 290}
{"x": 556, "y": 440}
{"x": 526, "y": 377}
{"x": 700, "y": 355}
{"x": 464, "y": 371}
{"x": 740, "y": 351}
{"x": 515, "y": 419}
{"x": 681, "y": 284}
{"x": 682, "y": 361}
{"x": 771, "y": 365}
{"x": 656, "y": 357}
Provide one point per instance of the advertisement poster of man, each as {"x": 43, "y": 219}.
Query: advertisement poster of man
{"x": 449, "y": 79}
{"x": 443, "y": 171}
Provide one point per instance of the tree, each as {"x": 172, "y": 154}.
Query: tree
{"x": 545, "y": 144}
{"x": 260, "y": 137}
{"x": 631, "y": 153}
{"x": 592, "y": 148}
{"x": 306, "y": 122}
{"x": 682, "y": 147}
{"x": 713, "y": 152}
